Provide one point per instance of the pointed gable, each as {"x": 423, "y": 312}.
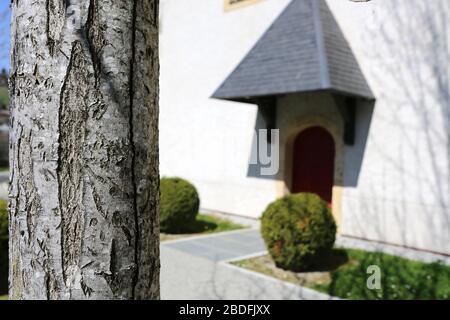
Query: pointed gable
{"x": 303, "y": 50}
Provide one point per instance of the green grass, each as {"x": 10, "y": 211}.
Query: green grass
{"x": 204, "y": 224}
{"x": 345, "y": 275}
{"x": 4, "y": 96}
{"x": 209, "y": 224}
{"x": 5, "y": 297}
{"x": 4, "y": 169}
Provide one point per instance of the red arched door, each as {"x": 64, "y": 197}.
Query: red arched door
{"x": 313, "y": 166}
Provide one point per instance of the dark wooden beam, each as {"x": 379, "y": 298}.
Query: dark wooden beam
{"x": 267, "y": 108}
{"x": 347, "y": 108}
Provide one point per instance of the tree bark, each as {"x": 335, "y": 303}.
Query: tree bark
{"x": 84, "y": 184}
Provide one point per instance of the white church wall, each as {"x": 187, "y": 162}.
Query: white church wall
{"x": 205, "y": 140}
{"x": 403, "y": 192}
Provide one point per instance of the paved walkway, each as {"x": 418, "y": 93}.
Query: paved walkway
{"x": 222, "y": 246}
{"x": 4, "y": 176}
{"x": 4, "y": 191}
{"x": 4, "y": 180}
{"x": 196, "y": 268}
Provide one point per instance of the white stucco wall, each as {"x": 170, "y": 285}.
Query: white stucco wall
{"x": 403, "y": 192}
{"x": 205, "y": 140}
{"x": 396, "y": 181}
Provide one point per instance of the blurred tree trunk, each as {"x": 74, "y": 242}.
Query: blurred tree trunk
{"x": 84, "y": 194}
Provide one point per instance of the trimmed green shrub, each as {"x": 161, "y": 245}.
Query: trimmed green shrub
{"x": 179, "y": 205}
{"x": 299, "y": 231}
{"x": 3, "y": 247}
{"x": 401, "y": 279}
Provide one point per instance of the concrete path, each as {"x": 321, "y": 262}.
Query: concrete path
{"x": 4, "y": 177}
{"x": 4, "y": 181}
{"x": 221, "y": 246}
{"x": 197, "y": 268}
{"x": 4, "y": 191}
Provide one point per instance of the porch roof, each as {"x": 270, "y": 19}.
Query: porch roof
{"x": 303, "y": 50}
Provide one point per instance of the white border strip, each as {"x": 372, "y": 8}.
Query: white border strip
{"x": 304, "y": 293}
{"x": 211, "y": 235}
{"x": 245, "y": 257}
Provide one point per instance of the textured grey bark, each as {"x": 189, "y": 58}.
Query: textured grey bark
{"x": 84, "y": 193}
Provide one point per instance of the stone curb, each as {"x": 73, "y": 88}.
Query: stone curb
{"x": 303, "y": 292}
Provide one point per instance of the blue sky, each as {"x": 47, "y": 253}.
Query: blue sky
{"x": 4, "y": 34}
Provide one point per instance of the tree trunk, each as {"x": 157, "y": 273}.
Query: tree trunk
{"x": 84, "y": 194}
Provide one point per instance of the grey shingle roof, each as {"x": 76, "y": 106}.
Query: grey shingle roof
{"x": 303, "y": 50}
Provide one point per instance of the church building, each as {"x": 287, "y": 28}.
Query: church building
{"x": 348, "y": 100}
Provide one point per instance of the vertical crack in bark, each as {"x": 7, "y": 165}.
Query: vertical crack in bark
{"x": 133, "y": 149}
{"x": 72, "y": 119}
{"x": 32, "y": 199}
{"x": 113, "y": 259}
{"x": 55, "y": 10}
{"x": 155, "y": 13}
{"x": 18, "y": 168}
{"x": 95, "y": 42}
{"x": 50, "y": 41}
{"x": 113, "y": 276}
{"x": 60, "y": 162}
{"x": 47, "y": 287}
{"x": 51, "y": 284}
{"x": 95, "y": 39}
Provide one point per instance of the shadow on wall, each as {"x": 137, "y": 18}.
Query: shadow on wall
{"x": 263, "y": 161}
{"x": 409, "y": 50}
{"x": 353, "y": 155}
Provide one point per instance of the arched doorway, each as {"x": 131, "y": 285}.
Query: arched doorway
{"x": 313, "y": 163}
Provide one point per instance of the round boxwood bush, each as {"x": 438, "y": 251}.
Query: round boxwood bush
{"x": 179, "y": 205}
{"x": 299, "y": 231}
